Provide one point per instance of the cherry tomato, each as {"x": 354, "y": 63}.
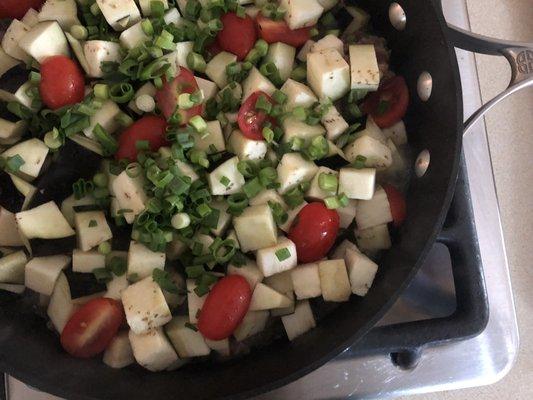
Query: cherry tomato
{"x": 167, "y": 96}
{"x": 250, "y": 120}
{"x": 389, "y": 104}
{"x": 62, "y": 82}
{"x": 238, "y": 35}
{"x": 398, "y": 208}
{"x": 150, "y": 128}
{"x": 17, "y": 8}
{"x": 278, "y": 31}
{"x": 314, "y": 231}
{"x": 90, "y": 329}
{"x": 225, "y": 307}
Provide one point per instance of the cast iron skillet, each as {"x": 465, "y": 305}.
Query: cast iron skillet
{"x": 32, "y": 353}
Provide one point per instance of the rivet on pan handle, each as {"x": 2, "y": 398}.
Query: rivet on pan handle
{"x": 519, "y": 55}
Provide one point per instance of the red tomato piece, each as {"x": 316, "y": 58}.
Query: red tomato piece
{"x": 90, "y": 329}
{"x": 150, "y": 128}
{"x": 278, "y": 31}
{"x": 250, "y": 120}
{"x": 17, "y": 8}
{"x": 398, "y": 207}
{"x": 167, "y": 96}
{"x": 238, "y": 35}
{"x": 314, "y": 231}
{"x": 225, "y": 307}
{"x": 389, "y": 104}
{"x": 62, "y": 82}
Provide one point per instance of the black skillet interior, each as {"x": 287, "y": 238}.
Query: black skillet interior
{"x": 33, "y": 354}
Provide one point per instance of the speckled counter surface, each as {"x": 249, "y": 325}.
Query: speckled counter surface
{"x": 510, "y": 130}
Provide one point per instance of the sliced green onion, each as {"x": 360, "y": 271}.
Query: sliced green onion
{"x": 225, "y": 181}
{"x": 297, "y": 144}
{"x": 299, "y": 73}
{"x": 147, "y": 27}
{"x": 157, "y": 8}
{"x": 154, "y": 70}
{"x": 165, "y": 41}
{"x": 223, "y": 250}
{"x": 163, "y": 279}
{"x": 199, "y": 157}
{"x": 196, "y": 62}
{"x": 95, "y": 9}
{"x": 100, "y": 193}
{"x": 246, "y": 168}
{"x": 79, "y": 32}
{"x": 123, "y": 119}
{"x": 198, "y": 123}
{"x": 318, "y": 148}
{"x": 268, "y": 134}
{"x": 357, "y": 94}
{"x": 328, "y": 182}
{"x": 108, "y": 142}
{"x": 145, "y": 103}
{"x": 184, "y": 101}
{"x": 117, "y": 265}
{"x": 359, "y": 162}
{"x": 100, "y": 180}
{"x": 263, "y": 104}
{"x": 14, "y": 163}
{"x": 104, "y": 248}
{"x": 53, "y": 139}
{"x": 203, "y": 210}
{"x": 194, "y": 271}
{"x": 279, "y": 214}
{"x": 332, "y": 202}
{"x": 343, "y": 199}
{"x": 252, "y": 188}
{"x": 237, "y": 203}
{"x": 101, "y": 91}
{"x": 279, "y": 97}
{"x": 267, "y": 176}
{"x": 34, "y": 77}
{"x": 294, "y": 197}
{"x": 283, "y": 254}
{"x": 102, "y": 275}
{"x": 121, "y": 93}
{"x": 299, "y": 113}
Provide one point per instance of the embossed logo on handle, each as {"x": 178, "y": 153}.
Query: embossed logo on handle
{"x": 524, "y": 61}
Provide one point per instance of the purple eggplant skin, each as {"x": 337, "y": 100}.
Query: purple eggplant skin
{"x": 10, "y": 198}
{"x": 72, "y": 162}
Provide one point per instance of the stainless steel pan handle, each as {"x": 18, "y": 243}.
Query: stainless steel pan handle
{"x": 519, "y": 55}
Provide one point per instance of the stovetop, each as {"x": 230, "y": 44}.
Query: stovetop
{"x": 477, "y": 361}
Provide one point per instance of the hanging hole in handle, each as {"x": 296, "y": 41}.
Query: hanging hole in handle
{"x": 424, "y": 86}
{"x": 397, "y": 16}
{"x": 422, "y": 163}
{"x": 406, "y": 360}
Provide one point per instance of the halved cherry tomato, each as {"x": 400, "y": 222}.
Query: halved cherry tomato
{"x": 225, "y": 307}
{"x": 278, "y": 31}
{"x": 238, "y": 35}
{"x": 62, "y": 82}
{"x": 250, "y": 120}
{"x": 314, "y": 231}
{"x": 389, "y": 104}
{"x": 17, "y": 8}
{"x": 150, "y": 128}
{"x": 90, "y": 329}
{"x": 167, "y": 96}
{"x": 398, "y": 207}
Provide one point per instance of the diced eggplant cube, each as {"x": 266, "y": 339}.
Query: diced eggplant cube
{"x": 120, "y": 14}
{"x": 12, "y": 288}
{"x": 255, "y": 228}
{"x": 186, "y": 341}
{"x": 173, "y": 17}
{"x": 116, "y": 287}
{"x": 142, "y": 261}
{"x": 12, "y": 267}
{"x": 334, "y": 123}
{"x": 371, "y": 240}
{"x": 130, "y": 195}
{"x": 279, "y": 312}
{"x": 246, "y": 149}
{"x": 282, "y": 56}
{"x": 145, "y": 306}
{"x": 328, "y": 74}
{"x": 293, "y": 169}
{"x": 301, "y": 321}
{"x": 248, "y": 271}
{"x": 375, "y": 211}
{"x": 10, "y": 42}
{"x": 146, "y": 6}
{"x": 35, "y": 223}
{"x": 87, "y": 261}
{"x": 268, "y": 195}
{"x": 357, "y": 183}
{"x": 65, "y": 12}
{"x": 334, "y": 280}
{"x": 212, "y": 141}
{"x": 298, "y": 95}
{"x": 33, "y": 152}
{"x": 377, "y": 154}
{"x": 194, "y": 302}
{"x": 252, "y": 323}
{"x": 9, "y": 233}
{"x": 6, "y": 62}
{"x": 220, "y": 346}
{"x": 328, "y": 42}
{"x": 347, "y": 214}
{"x": 234, "y": 180}
{"x": 340, "y": 250}
{"x": 119, "y": 353}
{"x": 277, "y": 258}
{"x": 92, "y": 229}
{"x": 31, "y": 18}
{"x": 281, "y": 282}
{"x": 266, "y": 298}
{"x": 60, "y": 308}
{"x": 224, "y": 218}
{"x": 41, "y": 273}
{"x": 364, "y": 68}
{"x": 361, "y": 271}
{"x": 291, "y": 215}
{"x": 98, "y": 51}
{"x": 294, "y": 128}
{"x": 216, "y": 68}
{"x": 208, "y": 88}
{"x": 11, "y": 131}
{"x": 46, "y": 39}
{"x": 105, "y": 117}
{"x": 301, "y": 13}
{"x": 396, "y": 133}
{"x": 305, "y": 50}
{"x": 306, "y": 281}
{"x": 152, "y": 350}
{"x": 133, "y": 36}
{"x": 256, "y": 82}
